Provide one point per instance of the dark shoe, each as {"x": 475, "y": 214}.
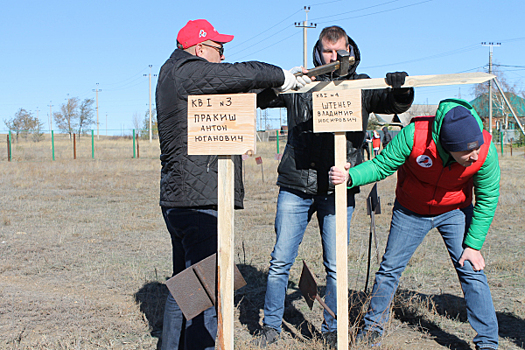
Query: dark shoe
{"x": 330, "y": 340}
{"x": 266, "y": 336}
{"x": 371, "y": 338}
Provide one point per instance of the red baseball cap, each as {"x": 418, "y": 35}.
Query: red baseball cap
{"x": 198, "y": 31}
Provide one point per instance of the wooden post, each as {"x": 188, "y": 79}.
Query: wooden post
{"x": 138, "y": 153}
{"x": 259, "y": 161}
{"x": 53, "y": 144}
{"x": 234, "y": 135}
{"x": 92, "y": 145}
{"x": 341, "y": 227}
{"x": 339, "y": 112}
{"x": 225, "y": 255}
{"x": 74, "y": 146}
{"x": 8, "y": 149}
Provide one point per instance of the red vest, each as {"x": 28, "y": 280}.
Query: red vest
{"x": 424, "y": 186}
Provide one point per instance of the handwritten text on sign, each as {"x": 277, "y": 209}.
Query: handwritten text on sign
{"x": 221, "y": 124}
{"x": 337, "y": 110}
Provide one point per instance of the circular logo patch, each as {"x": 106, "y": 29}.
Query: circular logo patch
{"x": 424, "y": 161}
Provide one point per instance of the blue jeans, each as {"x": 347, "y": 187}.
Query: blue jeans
{"x": 407, "y": 231}
{"x": 193, "y": 238}
{"x": 294, "y": 211}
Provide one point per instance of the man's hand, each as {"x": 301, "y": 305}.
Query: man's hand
{"x": 338, "y": 176}
{"x": 301, "y": 79}
{"x": 294, "y": 82}
{"x": 396, "y": 79}
{"x": 475, "y": 258}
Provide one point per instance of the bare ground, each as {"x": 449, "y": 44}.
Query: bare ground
{"x": 84, "y": 254}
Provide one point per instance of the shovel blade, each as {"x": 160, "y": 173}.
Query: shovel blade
{"x": 308, "y": 285}
{"x": 195, "y": 288}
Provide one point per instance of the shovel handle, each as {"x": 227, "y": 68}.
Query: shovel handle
{"x": 323, "y": 304}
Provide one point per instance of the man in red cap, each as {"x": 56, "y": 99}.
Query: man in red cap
{"x": 188, "y": 185}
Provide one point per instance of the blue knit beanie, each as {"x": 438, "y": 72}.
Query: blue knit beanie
{"x": 460, "y": 131}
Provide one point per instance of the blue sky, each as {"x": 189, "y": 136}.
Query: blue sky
{"x": 54, "y": 48}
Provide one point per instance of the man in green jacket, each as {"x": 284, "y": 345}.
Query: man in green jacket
{"x": 440, "y": 161}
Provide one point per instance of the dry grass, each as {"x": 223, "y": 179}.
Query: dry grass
{"x": 84, "y": 254}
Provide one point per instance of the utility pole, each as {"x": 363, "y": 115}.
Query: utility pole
{"x": 96, "y": 91}
{"x": 491, "y": 45}
{"x": 305, "y": 26}
{"x": 106, "y": 124}
{"x": 150, "y": 125}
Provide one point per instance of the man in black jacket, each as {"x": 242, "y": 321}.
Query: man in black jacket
{"x": 188, "y": 184}
{"x": 304, "y": 183}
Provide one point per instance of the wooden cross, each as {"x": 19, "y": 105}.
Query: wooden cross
{"x": 337, "y": 109}
{"x": 223, "y": 125}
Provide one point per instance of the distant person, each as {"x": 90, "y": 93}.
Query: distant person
{"x": 387, "y": 137}
{"x": 366, "y": 146}
{"x": 188, "y": 184}
{"x": 376, "y": 142}
{"x": 439, "y": 161}
{"x": 303, "y": 180}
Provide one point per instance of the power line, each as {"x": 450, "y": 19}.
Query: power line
{"x": 505, "y": 65}
{"x": 362, "y": 9}
{"x": 261, "y": 33}
{"x": 264, "y": 48}
{"x": 132, "y": 77}
{"x": 326, "y": 2}
{"x": 378, "y": 12}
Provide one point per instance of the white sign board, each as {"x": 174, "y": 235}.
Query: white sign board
{"x": 337, "y": 110}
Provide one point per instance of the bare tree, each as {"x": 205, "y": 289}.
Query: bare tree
{"x": 154, "y": 128}
{"x": 36, "y": 131}
{"x": 499, "y": 108}
{"x": 23, "y": 123}
{"x": 67, "y": 118}
{"x": 85, "y": 115}
{"x": 137, "y": 122}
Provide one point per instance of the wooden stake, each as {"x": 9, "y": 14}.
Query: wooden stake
{"x": 138, "y": 153}
{"x": 8, "y": 149}
{"x": 74, "y": 146}
{"x": 225, "y": 255}
{"x": 341, "y": 227}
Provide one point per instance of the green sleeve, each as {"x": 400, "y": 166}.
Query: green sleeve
{"x": 387, "y": 162}
{"x": 486, "y": 191}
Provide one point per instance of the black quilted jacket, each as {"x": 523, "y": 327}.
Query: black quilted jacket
{"x": 308, "y": 156}
{"x": 191, "y": 181}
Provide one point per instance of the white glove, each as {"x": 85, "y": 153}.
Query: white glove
{"x": 294, "y": 82}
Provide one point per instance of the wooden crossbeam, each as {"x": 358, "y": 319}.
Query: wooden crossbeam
{"x": 410, "y": 81}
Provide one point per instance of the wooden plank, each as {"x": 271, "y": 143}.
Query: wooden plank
{"x": 410, "y": 81}
{"x": 341, "y": 227}
{"x": 221, "y": 124}
{"x": 225, "y": 231}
